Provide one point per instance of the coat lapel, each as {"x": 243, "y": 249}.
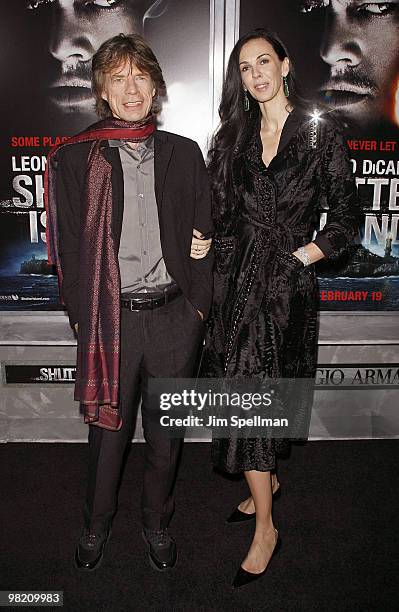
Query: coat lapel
{"x": 286, "y": 152}
{"x": 112, "y": 156}
{"x": 162, "y": 154}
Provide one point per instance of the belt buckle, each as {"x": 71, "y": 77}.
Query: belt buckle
{"x": 131, "y": 306}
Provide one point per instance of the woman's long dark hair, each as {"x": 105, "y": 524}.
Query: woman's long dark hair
{"x": 235, "y": 123}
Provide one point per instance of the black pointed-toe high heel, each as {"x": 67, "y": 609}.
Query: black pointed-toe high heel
{"x": 240, "y": 517}
{"x": 242, "y": 577}
{"x": 237, "y": 516}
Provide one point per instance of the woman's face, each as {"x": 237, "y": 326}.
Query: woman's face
{"x": 261, "y": 70}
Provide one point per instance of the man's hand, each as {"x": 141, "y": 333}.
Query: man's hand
{"x": 76, "y": 328}
{"x": 199, "y": 246}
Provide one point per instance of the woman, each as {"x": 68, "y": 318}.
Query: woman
{"x": 272, "y": 166}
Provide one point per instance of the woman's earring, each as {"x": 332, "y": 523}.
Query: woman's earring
{"x": 246, "y": 101}
{"x": 286, "y": 88}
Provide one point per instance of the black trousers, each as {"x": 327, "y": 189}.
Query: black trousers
{"x": 159, "y": 343}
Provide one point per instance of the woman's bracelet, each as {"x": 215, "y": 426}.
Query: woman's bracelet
{"x": 304, "y": 256}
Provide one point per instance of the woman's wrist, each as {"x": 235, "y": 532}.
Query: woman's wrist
{"x": 303, "y": 256}
{"x": 309, "y": 254}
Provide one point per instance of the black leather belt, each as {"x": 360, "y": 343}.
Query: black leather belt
{"x": 150, "y": 301}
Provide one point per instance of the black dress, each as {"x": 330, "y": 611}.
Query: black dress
{"x": 263, "y": 322}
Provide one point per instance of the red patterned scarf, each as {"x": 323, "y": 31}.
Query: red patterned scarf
{"x": 97, "y": 375}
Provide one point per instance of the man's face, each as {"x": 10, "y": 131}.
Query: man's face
{"x": 129, "y": 92}
{"x": 78, "y": 28}
{"x": 360, "y": 47}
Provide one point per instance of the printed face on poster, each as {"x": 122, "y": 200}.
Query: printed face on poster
{"x": 346, "y": 57}
{"x": 46, "y": 69}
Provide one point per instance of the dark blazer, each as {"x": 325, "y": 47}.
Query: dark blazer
{"x": 183, "y": 198}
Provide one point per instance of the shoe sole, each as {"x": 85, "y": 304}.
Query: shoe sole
{"x": 153, "y": 565}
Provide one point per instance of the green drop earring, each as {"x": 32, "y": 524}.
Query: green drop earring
{"x": 286, "y": 88}
{"x": 246, "y": 101}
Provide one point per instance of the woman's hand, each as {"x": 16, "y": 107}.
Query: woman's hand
{"x": 199, "y": 246}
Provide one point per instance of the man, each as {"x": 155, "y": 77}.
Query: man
{"x": 123, "y": 199}
{"x": 359, "y": 45}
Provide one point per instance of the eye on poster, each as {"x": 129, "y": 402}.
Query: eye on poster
{"x": 47, "y": 47}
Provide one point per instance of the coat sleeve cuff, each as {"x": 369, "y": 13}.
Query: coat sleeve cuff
{"x": 73, "y": 318}
{"x": 324, "y": 244}
{"x": 72, "y": 310}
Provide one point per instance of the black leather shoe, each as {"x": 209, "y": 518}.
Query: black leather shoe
{"x": 240, "y": 517}
{"x": 162, "y": 551}
{"x": 243, "y": 517}
{"x": 243, "y": 577}
{"x": 90, "y": 549}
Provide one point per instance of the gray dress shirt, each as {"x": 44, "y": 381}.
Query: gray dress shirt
{"x": 141, "y": 262}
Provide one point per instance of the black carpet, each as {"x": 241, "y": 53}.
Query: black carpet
{"x": 337, "y": 516}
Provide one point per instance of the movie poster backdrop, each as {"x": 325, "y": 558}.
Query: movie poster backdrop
{"x": 346, "y": 55}
{"x": 47, "y": 46}
{"x": 337, "y": 46}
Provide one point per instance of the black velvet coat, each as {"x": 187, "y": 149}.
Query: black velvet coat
{"x": 264, "y": 317}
